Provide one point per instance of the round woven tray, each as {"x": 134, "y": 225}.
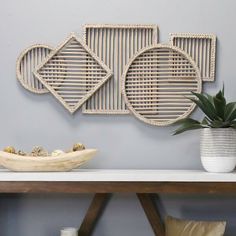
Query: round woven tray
{"x": 27, "y": 62}
{"x": 157, "y": 82}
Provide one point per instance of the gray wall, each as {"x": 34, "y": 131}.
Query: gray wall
{"x": 124, "y": 142}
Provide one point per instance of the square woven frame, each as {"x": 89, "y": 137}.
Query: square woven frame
{"x": 202, "y": 48}
{"x": 115, "y": 45}
{"x": 85, "y": 82}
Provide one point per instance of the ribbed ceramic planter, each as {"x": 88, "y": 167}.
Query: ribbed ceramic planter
{"x": 218, "y": 149}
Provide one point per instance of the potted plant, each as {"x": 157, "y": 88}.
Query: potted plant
{"x": 218, "y": 131}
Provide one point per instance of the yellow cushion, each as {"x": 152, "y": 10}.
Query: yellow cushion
{"x": 177, "y": 227}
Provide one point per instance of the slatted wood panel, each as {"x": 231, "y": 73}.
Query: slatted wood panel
{"x": 26, "y": 63}
{"x": 115, "y": 45}
{"x": 82, "y": 75}
{"x": 202, "y": 48}
{"x": 156, "y": 83}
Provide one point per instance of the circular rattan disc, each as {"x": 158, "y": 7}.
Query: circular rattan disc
{"x": 156, "y": 82}
{"x": 27, "y": 62}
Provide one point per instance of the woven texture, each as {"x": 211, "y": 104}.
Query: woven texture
{"x": 156, "y": 83}
{"x": 28, "y": 60}
{"x": 82, "y": 73}
{"x": 202, "y": 48}
{"x": 115, "y": 45}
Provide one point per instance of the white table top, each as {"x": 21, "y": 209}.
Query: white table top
{"x": 116, "y": 175}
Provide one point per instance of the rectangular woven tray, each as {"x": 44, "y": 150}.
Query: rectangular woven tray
{"x": 115, "y": 45}
{"x": 202, "y": 48}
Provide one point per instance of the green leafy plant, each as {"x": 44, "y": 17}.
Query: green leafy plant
{"x": 218, "y": 113}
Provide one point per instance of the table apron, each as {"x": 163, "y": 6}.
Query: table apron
{"x": 119, "y": 187}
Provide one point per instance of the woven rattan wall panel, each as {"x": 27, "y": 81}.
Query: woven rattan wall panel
{"x": 115, "y": 45}
{"x": 202, "y": 48}
{"x": 82, "y": 73}
{"x": 156, "y": 82}
{"x": 28, "y": 60}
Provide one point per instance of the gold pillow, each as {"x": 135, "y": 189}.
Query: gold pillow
{"x": 177, "y": 227}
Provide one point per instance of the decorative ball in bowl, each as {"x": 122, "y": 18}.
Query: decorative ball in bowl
{"x": 62, "y": 162}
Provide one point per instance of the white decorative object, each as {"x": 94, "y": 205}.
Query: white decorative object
{"x": 69, "y": 231}
{"x": 57, "y": 153}
{"x": 28, "y": 60}
{"x": 202, "y": 48}
{"x": 218, "y": 149}
{"x": 63, "y": 162}
{"x": 115, "y": 45}
{"x": 82, "y": 74}
{"x": 156, "y": 83}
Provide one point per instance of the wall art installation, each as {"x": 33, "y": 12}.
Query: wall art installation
{"x": 156, "y": 81}
{"x": 28, "y": 60}
{"x": 82, "y": 73}
{"x": 115, "y": 45}
{"x": 122, "y": 69}
{"x": 202, "y": 48}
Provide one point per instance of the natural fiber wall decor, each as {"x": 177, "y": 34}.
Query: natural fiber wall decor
{"x": 82, "y": 73}
{"x": 156, "y": 82}
{"x": 202, "y": 48}
{"x": 122, "y": 68}
{"x": 115, "y": 45}
{"x": 26, "y": 63}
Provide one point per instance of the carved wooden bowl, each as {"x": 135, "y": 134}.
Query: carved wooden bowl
{"x": 63, "y": 162}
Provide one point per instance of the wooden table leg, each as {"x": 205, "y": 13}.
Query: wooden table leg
{"x": 152, "y": 213}
{"x": 94, "y": 211}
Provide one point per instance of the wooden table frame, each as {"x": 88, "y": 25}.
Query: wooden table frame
{"x": 103, "y": 190}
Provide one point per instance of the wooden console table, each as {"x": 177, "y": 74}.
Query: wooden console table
{"x": 104, "y": 182}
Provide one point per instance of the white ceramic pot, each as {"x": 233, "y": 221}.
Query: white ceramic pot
{"x": 218, "y": 149}
{"x": 69, "y": 231}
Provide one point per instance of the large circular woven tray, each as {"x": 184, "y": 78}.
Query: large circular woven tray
{"x": 156, "y": 84}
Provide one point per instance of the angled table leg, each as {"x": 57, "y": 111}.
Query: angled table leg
{"x": 152, "y": 213}
{"x": 94, "y": 211}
